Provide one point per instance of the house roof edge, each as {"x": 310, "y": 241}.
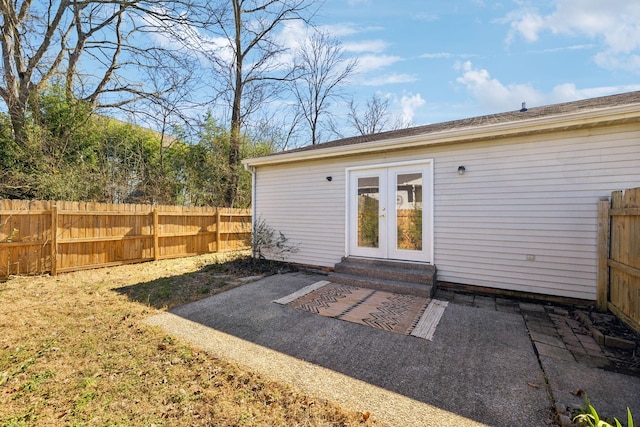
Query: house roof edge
{"x": 565, "y": 121}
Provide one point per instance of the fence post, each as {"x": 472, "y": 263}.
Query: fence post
{"x": 156, "y": 246}
{"x": 54, "y": 239}
{"x": 218, "y": 223}
{"x": 602, "y": 287}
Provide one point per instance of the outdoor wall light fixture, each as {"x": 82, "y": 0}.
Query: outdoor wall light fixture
{"x": 461, "y": 170}
{"x": 329, "y": 178}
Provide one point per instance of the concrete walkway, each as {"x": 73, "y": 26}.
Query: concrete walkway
{"x": 480, "y": 369}
{"x": 573, "y": 362}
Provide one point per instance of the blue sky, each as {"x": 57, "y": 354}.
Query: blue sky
{"x": 437, "y": 61}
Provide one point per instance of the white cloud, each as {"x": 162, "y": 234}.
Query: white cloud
{"x": 427, "y": 17}
{"x": 567, "y": 48}
{"x": 365, "y": 46}
{"x": 495, "y": 96}
{"x": 446, "y": 55}
{"x": 181, "y": 35}
{"x": 615, "y": 23}
{"x": 408, "y": 105}
{"x": 612, "y": 61}
{"x": 529, "y": 26}
{"x": 491, "y": 93}
{"x": 370, "y": 53}
{"x": 438, "y": 55}
{"x": 293, "y": 33}
{"x": 341, "y": 29}
{"x": 369, "y": 58}
{"x": 367, "y": 63}
{"x": 568, "y": 92}
{"x": 403, "y": 107}
{"x": 393, "y": 78}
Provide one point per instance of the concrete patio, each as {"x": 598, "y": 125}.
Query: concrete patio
{"x": 484, "y": 365}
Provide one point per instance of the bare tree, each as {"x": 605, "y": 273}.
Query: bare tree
{"x": 278, "y": 129}
{"x": 249, "y": 63}
{"x": 92, "y": 47}
{"x": 321, "y": 68}
{"x": 373, "y": 119}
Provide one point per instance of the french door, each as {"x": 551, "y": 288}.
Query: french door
{"x": 389, "y": 212}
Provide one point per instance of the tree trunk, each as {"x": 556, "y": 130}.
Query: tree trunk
{"x": 18, "y": 115}
{"x": 236, "y": 113}
{"x": 234, "y": 163}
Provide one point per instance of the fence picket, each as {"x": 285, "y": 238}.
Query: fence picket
{"x": 64, "y": 236}
{"x": 619, "y": 277}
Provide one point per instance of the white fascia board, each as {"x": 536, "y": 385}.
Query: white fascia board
{"x": 610, "y": 115}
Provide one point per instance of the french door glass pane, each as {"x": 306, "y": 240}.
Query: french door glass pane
{"x": 409, "y": 211}
{"x": 368, "y": 206}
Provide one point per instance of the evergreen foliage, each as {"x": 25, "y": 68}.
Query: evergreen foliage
{"x": 74, "y": 154}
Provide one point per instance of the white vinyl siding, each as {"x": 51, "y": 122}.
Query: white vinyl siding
{"x": 535, "y": 195}
{"x": 298, "y": 201}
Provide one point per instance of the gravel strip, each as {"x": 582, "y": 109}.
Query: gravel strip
{"x": 387, "y": 407}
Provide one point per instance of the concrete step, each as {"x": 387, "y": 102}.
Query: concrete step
{"x": 388, "y": 275}
{"x": 396, "y": 286}
{"x": 399, "y": 273}
{"x": 390, "y": 263}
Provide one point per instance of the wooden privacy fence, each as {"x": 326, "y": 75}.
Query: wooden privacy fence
{"x": 619, "y": 256}
{"x": 51, "y": 237}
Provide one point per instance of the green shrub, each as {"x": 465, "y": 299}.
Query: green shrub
{"x": 590, "y": 418}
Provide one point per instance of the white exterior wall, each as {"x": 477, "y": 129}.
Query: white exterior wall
{"x": 535, "y": 195}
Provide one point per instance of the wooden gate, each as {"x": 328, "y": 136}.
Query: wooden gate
{"x": 619, "y": 256}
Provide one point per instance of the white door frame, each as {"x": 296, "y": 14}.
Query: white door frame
{"x": 386, "y": 247}
{"x": 370, "y": 252}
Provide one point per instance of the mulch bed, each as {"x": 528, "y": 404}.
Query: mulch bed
{"x": 626, "y": 361}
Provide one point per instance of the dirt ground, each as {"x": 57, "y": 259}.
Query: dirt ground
{"x": 624, "y": 360}
{"x": 74, "y": 351}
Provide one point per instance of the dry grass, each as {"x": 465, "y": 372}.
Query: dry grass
{"x": 74, "y": 351}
